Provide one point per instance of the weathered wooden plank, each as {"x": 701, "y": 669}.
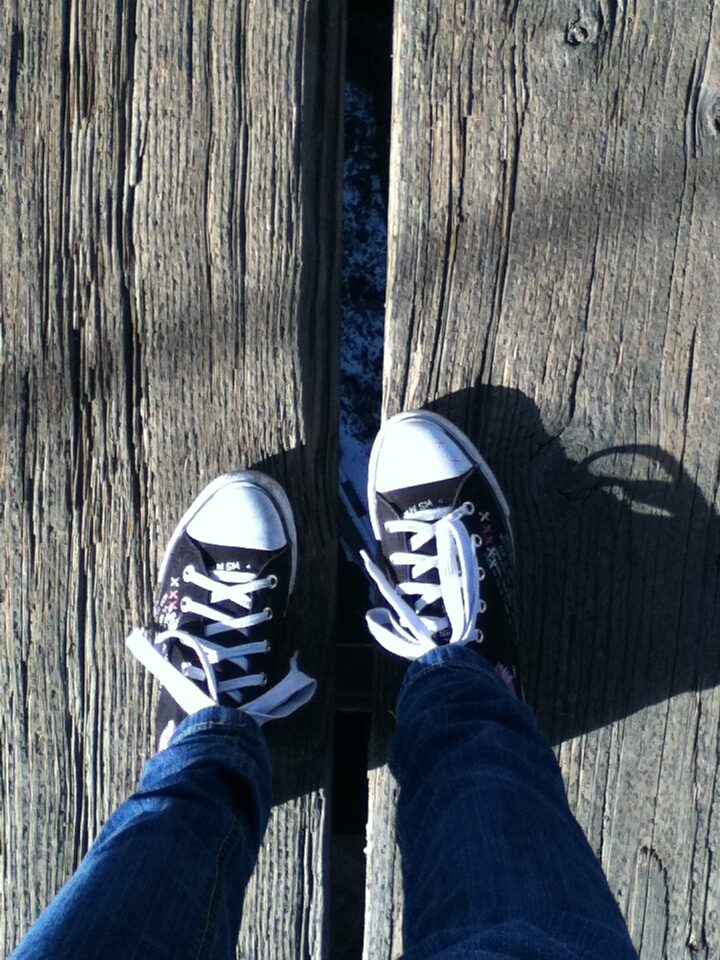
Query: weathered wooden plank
{"x": 169, "y": 181}
{"x": 553, "y": 287}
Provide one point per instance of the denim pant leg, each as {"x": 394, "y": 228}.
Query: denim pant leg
{"x": 166, "y": 876}
{"x": 494, "y": 864}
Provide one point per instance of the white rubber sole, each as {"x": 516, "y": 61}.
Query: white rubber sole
{"x": 472, "y": 453}
{"x": 252, "y": 478}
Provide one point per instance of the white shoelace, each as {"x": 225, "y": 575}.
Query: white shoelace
{"x": 280, "y": 700}
{"x": 410, "y": 634}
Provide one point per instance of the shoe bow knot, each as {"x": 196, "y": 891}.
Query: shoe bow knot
{"x": 410, "y": 633}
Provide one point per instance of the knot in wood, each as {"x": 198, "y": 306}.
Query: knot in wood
{"x": 579, "y": 31}
{"x": 709, "y": 103}
{"x": 716, "y": 117}
{"x": 707, "y": 116}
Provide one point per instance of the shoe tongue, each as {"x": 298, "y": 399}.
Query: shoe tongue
{"x": 232, "y": 564}
{"x": 227, "y": 565}
{"x": 431, "y": 496}
{"x": 232, "y": 576}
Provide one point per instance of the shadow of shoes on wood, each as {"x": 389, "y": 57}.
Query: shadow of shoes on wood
{"x": 618, "y": 555}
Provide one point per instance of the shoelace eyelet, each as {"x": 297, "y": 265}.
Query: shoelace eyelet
{"x": 188, "y": 572}
{"x": 272, "y": 581}
{"x": 481, "y": 574}
{"x": 477, "y": 540}
{"x": 268, "y": 611}
{"x": 184, "y": 601}
{"x": 482, "y": 606}
{"x": 469, "y": 508}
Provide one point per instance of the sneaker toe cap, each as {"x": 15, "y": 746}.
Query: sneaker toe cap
{"x": 239, "y": 514}
{"x": 415, "y": 451}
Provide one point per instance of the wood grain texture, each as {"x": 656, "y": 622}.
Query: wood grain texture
{"x": 169, "y": 254}
{"x": 553, "y": 287}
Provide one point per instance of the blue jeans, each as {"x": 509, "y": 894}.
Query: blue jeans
{"x": 494, "y": 865}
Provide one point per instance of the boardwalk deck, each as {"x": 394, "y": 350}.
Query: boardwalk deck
{"x": 553, "y": 287}
{"x": 169, "y": 244}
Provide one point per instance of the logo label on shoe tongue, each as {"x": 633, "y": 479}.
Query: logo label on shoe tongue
{"x": 421, "y": 505}
{"x": 231, "y": 566}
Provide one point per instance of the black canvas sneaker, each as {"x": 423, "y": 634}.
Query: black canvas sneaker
{"x": 223, "y": 589}
{"x": 446, "y": 545}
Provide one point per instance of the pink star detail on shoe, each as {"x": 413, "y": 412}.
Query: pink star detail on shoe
{"x": 507, "y": 677}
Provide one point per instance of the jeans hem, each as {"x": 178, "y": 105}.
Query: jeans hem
{"x": 220, "y": 719}
{"x": 453, "y": 657}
